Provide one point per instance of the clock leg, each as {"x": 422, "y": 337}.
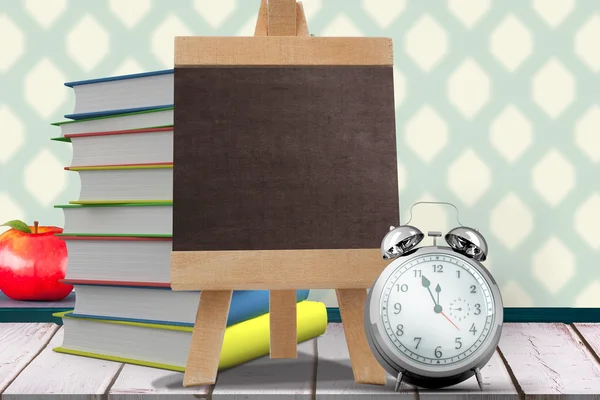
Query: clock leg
{"x": 398, "y": 381}
{"x": 365, "y": 367}
{"x": 479, "y": 379}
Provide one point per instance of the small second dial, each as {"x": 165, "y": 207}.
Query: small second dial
{"x": 459, "y": 309}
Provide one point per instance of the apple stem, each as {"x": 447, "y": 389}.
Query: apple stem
{"x": 35, "y": 226}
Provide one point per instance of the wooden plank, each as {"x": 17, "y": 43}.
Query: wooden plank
{"x": 54, "y": 375}
{"x": 136, "y": 382}
{"x": 207, "y": 338}
{"x": 497, "y": 384}
{"x": 263, "y": 269}
{"x": 301, "y": 25}
{"x": 19, "y": 344}
{"x": 284, "y": 18}
{"x": 281, "y": 21}
{"x": 191, "y": 51}
{"x": 549, "y": 360}
{"x": 352, "y": 310}
{"x": 335, "y": 379}
{"x": 282, "y": 324}
{"x": 591, "y": 335}
{"x": 281, "y": 17}
{"x": 266, "y": 378}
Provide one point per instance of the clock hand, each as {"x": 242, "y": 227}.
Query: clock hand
{"x": 438, "y": 308}
{"x": 445, "y": 316}
{"x": 425, "y": 282}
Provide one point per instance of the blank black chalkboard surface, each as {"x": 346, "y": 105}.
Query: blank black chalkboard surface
{"x": 283, "y": 158}
{"x": 285, "y": 173}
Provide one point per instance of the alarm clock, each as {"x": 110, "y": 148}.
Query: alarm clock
{"x": 433, "y": 317}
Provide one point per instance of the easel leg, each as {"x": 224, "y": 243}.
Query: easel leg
{"x": 207, "y": 338}
{"x": 365, "y": 367}
{"x": 282, "y": 323}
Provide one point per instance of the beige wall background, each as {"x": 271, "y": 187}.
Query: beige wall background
{"x": 497, "y": 112}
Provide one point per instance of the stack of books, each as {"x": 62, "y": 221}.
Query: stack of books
{"x": 119, "y": 237}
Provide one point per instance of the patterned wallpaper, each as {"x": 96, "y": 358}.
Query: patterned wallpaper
{"x": 498, "y": 112}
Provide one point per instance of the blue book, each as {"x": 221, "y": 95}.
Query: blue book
{"x": 159, "y": 305}
{"x": 247, "y": 304}
{"x": 122, "y": 94}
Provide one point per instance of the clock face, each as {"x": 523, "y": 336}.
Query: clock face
{"x": 437, "y": 309}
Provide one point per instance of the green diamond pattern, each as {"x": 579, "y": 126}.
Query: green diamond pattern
{"x": 498, "y": 112}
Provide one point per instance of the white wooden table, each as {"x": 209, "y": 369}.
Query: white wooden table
{"x": 533, "y": 361}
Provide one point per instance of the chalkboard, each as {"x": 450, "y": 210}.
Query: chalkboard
{"x": 283, "y": 157}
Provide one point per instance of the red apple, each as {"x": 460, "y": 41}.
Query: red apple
{"x": 32, "y": 261}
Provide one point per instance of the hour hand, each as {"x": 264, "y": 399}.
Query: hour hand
{"x": 425, "y": 282}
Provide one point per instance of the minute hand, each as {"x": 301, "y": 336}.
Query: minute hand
{"x": 425, "y": 282}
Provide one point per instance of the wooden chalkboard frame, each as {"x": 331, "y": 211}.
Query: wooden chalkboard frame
{"x": 281, "y": 36}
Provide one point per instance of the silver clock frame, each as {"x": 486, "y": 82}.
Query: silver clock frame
{"x": 400, "y": 365}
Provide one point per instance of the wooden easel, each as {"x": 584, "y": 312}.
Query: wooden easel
{"x": 217, "y": 273}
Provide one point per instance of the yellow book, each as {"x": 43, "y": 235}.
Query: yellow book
{"x": 167, "y": 346}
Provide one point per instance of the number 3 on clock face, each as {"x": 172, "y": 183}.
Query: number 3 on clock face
{"x": 437, "y": 309}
